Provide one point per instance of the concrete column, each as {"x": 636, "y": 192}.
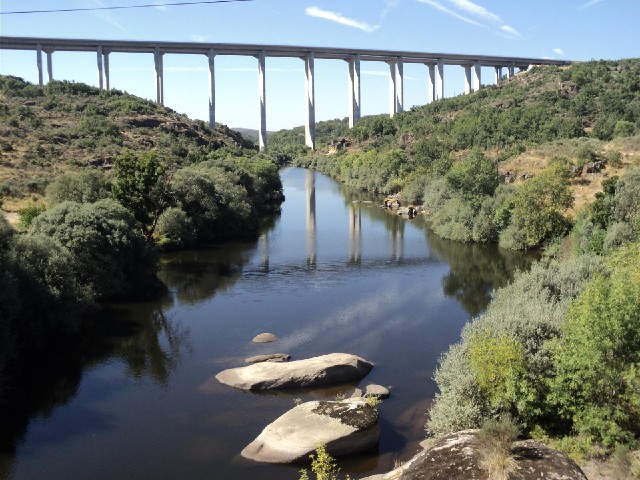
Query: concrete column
{"x": 107, "y": 82}
{"x": 399, "y": 85}
{"x": 310, "y": 125}
{"x": 212, "y": 89}
{"x": 510, "y": 71}
{"x": 467, "y": 79}
{"x": 157, "y": 56}
{"x": 49, "y": 66}
{"x": 354, "y": 91}
{"x": 431, "y": 82}
{"x": 392, "y": 88}
{"x": 100, "y": 72}
{"x": 498, "y": 74}
{"x": 39, "y": 63}
{"x": 262, "y": 132}
{"x": 440, "y": 78}
{"x": 477, "y": 75}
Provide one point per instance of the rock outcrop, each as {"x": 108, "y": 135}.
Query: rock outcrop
{"x": 265, "y": 338}
{"x": 458, "y": 457}
{"x": 311, "y": 372}
{"x": 344, "y": 427}
{"x": 270, "y": 357}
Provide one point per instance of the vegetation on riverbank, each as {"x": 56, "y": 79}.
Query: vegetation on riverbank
{"x": 101, "y": 181}
{"x": 558, "y": 348}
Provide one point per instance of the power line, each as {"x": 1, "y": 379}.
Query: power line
{"x": 122, "y": 7}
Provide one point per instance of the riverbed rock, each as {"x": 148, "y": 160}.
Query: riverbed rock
{"x": 379, "y": 391}
{"x": 264, "y": 338}
{"x": 272, "y": 357}
{"x": 458, "y": 457}
{"x": 311, "y": 372}
{"x": 344, "y": 427}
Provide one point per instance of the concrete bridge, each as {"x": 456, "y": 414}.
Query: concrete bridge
{"x": 434, "y": 62}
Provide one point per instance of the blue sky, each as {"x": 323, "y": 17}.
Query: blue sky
{"x": 563, "y": 29}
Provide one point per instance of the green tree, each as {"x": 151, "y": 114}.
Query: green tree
{"x": 597, "y": 358}
{"x": 538, "y": 205}
{"x": 142, "y": 185}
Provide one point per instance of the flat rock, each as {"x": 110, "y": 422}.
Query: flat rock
{"x": 264, "y": 338}
{"x": 272, "y": 357}
{"x": 458, "y": 457}
{"x": 312, "y": 372}
{"x": 376, "y": 391}
{"x": 344, "y": 427}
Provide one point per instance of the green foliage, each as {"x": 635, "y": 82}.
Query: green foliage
{"x": 174, "y": 230}
{"x": 29, "y": 213}
{"x": 140, "y": 185}
{"x": 499, "y": 366}
{"x": 372, "y": 127}
{"x": 496, "y": 438}
{"x": 474, "y": 177}
{"x": 322, "y": 465}
{"x": 521, "y": 318}
{"x": 86, "y": 186}
{"x": 538, "y": 205}
{"x": 106, "y": 242}
{"x": 597, "y": 358}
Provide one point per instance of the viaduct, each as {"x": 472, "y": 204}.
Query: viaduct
{"x": 395, "y": 59}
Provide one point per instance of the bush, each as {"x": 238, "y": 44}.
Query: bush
{"x": 496, "y": 437}
{"x": 29, "y": 213}
{"x": 174, "y": 230}
{"x": 82, "y": 187}
{"x": 597, "y": 381}
{"x": 105, "y": 241}
{"x": 529, "y": 312}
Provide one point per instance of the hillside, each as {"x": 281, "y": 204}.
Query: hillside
{"x": 48, "y": 130}
{"x": 465, "y": 157}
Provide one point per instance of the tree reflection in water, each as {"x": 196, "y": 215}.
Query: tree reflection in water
{"x": 475, "y": 270}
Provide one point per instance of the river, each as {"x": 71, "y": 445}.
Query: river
{"x": 332, "y": 273}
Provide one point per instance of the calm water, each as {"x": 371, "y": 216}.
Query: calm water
{"x": 333, "y": 273}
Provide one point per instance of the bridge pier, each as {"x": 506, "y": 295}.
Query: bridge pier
{"x": 396, "y": 84}
{"x": 440, "y": 78}
{"x": 431, "y": 82}
{"x": 49, "y": 65}
{"x": 477, "y": 77}
{"x": 100, "y": 67}
{"x": 262, "y": 93}
{"x": 354, "y": 90}
{"x": 159, "y": 73}
{"x": 107, "y": 81}
{"x": 467, "y": 79}
{"x": 39, "y": 63}
{"x": 498, "y": 74}
{"x": 310, "y": 125}
{"x": 212, "y": 89}
{"x": 510, "y": 71}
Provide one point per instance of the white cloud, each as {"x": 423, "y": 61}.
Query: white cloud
{"x": 475, "y": 9}
{"x": 339, "y": 18}
{"x": 510, "y": 31}
{"x": 590, "y": 3}
{"x": 442, "y": 8}
{"x": 559, "y": 51}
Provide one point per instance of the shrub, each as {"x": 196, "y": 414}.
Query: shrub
{"x": 597, "y": 381}
{"x": 496, "y": 437}
{"x": 106, "y": 242}
{"x": 627, "y": 197}
{"x": 82, "y": 187}
{"x": 29, "y": 213}
{"x": 174, "y": 230}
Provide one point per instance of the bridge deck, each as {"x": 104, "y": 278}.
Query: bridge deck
{"x": 193, "y": 48}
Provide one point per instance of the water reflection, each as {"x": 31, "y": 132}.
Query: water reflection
{"x": 475, "y": 270}
{"x": 355, "y": 235}
{"x": 310, "y": 190}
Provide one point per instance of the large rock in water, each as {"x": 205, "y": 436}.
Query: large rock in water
{"x": 458, "y": 457}
{"x": 312, "y": 372}
{"x": 344, "y": 427}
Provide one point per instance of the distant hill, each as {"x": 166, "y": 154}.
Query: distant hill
{"x": 47, "y": 130}
{"x": 249, "y": 134}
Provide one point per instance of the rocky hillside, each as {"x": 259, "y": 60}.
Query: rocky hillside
{"x": 47, "y": 130}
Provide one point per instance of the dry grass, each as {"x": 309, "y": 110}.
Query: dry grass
{"x": 496, "y": 437}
